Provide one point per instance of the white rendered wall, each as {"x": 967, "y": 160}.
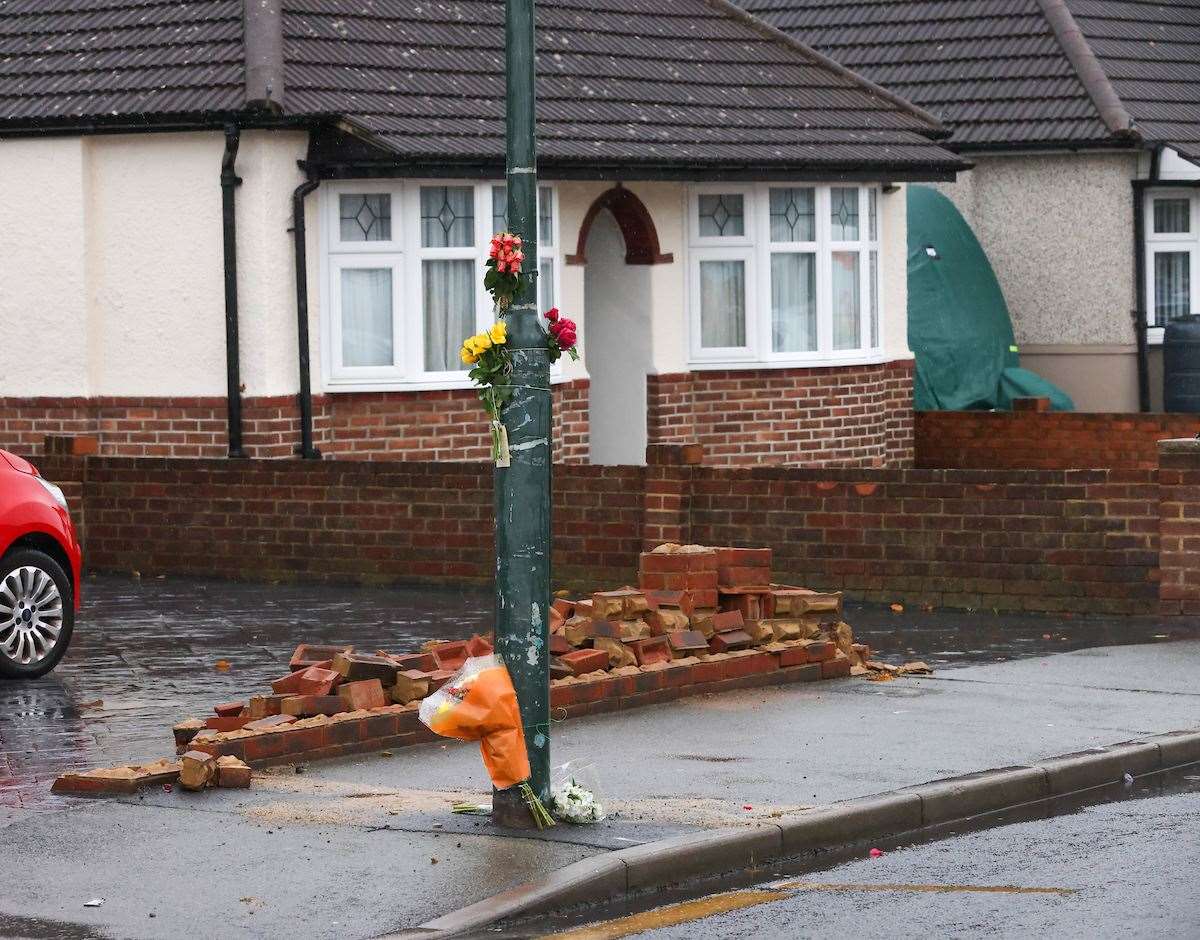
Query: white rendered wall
{"x": 43, "y": 276}
{"x": 113, "y": 264}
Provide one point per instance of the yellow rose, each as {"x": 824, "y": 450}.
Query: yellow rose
{"x": 483, "y": 341}
{"x": 468, "y": 357}
{"x": 499, "y": 334}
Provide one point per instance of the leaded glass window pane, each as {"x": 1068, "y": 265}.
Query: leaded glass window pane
{"x": 794, "y": 302}
{"x": 365, "y": 217}
{"x": 1172, "y": 216}
{"x": 847, "y": 300}
{"x": 449, "y": 299}
{"x": 722, "y": 304}
{"x": 367, "y": 317}
{"x": 843, "y": 213}
{"x": 722, "y": 215}
{"x": 1172, "y": 285}
{"x": 793, "y": 215}
{"x": 447, "y": 216}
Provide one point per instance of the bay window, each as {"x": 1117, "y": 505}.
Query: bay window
{"x": 783, "y": 272}
{"x": 403, "y": 283}
{"x": 1172, "y": 244}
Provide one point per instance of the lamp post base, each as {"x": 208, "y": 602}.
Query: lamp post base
{"x": 510, "y": 811}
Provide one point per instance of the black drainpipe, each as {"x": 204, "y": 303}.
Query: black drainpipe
{"x": 229, "y": 183}
{"x": 305, "y": 449}
{"x": 1140, "y": 319}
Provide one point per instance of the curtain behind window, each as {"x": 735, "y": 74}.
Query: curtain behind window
{"x": 367, "y": 317}
{"x": 449, "y": 312}
{"x": 722, "y": 304}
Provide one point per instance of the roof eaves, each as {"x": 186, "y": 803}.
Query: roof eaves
{"x": 1091, "y": 73}
{"x": 936, "y": 131}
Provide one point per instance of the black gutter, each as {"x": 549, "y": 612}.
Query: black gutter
{"x": 229, "y": 184}
{"x": 305, "y": 449}
{"x": 1140, "y": 319}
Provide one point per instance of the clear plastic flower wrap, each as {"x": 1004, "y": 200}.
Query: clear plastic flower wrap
{"x": 575, "y": 793}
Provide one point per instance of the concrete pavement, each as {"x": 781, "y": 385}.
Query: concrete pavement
{"x": 348, "y": 848}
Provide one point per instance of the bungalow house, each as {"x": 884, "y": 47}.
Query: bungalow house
{"x": 258, "y": 227}
{"x": 1082, "y": 120}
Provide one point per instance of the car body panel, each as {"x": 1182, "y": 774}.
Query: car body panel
{"x": 27, "y": 509}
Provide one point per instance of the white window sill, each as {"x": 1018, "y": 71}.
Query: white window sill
{"x": 874, "y": 357}
{"x": 350, "y": 386}
{"x": 1154, "y": 335}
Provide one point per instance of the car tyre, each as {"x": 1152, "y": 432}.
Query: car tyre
{"x": 37, "y": 614}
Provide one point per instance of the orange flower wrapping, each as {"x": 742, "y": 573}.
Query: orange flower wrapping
{"x": 487, "y": 713}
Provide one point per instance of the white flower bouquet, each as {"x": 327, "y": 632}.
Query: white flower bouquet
{"x": 573, "y": 794}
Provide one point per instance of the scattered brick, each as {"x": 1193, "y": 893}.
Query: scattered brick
{"x": 652, "y": 650}
{"x": 410, "y": 686}
{"x": 665, "y": 620}
{"x": 730, "y": 640}
{"x": 311, "y": 681}
{"x": 232, "y": 773}
{"x": 309, "y": 654}
{"x": 184, "y": 731}
{"x": 438, "y": 678}
{"x": 685, "y": 643}
{"x": 227, "y": 723}
{"x": 559, "y": 669}
{"x": 565, "y": 608}
{"x": 581, "y": 662}
{"x": 741, "y": 576}
{"x": 229, "y": 709}
{"x": 355, "y": 667}
{"x": 836, "y": 668}
{"x": 365, "y": 693}
{"x": 262, "y": 706}
{"x": 618, "y": 653}
{"x": 476, "y": 646}
{"x": 422, "y": 661}
{"x": 115, "y": 780}
{"x": 559, "y": 644}
{"x": 760, "y": 631}
{"x": 197, "y": 770}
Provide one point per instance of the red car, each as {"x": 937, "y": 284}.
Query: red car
{"x": 40, "y": 563}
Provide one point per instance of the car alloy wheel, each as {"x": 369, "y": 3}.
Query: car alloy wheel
{"x": 31, "y": 615}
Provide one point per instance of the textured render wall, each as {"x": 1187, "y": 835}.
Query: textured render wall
{"x": 44, "y": 296}
{"x": 1058, "y": 230}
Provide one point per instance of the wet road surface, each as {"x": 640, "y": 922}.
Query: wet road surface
{"x": 145, "y": 653}
{"x": 144, "y": 656}
{"x": 1120, "y": 869}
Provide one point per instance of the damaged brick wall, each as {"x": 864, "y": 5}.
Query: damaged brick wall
{"x": 1029, "y": 440}
{"x": 857, "y": 416}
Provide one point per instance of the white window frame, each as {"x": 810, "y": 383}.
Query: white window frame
{"x": 756, "y": 248}
{"x": 404, "y": 254}
{"x": 1170, "y": 242}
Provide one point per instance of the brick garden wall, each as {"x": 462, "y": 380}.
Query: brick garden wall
{"x": 1045, "y": 441}
{"x": 1062, "y": 540}
{"x": 855, "y": 416}
{"x": 415, "y": 426}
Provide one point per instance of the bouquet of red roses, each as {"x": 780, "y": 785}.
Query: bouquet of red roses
{"x": 562, "y": 336}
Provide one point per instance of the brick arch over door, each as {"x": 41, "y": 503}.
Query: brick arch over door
{"x": 641, "y": 237}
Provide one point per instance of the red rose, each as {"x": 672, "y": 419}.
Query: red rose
{"x": 566, "y": 339}
{"x": 556, "y": 328}
{"x": 568, "y": 324}
{"x": 552, "y": 314}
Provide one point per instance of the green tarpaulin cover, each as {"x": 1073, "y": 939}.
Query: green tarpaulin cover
{"x": 958, "y": 323}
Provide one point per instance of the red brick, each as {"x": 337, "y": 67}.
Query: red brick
{"x": 582, "y": 662}
{"x": 836, "y": 668}
{"x": 271, "y": 721}
{"x": 729, "y": 640}
{"x": 653, "y": 650}
{"x": 479, "y": 646}
{"x": 662, "y": 563}
{"x": 227, "y": 722}
{"x": 366, "y": 693}
{"x": 308, "y": 654}
{"x": 311, "y": 681}
{"x": 423, "y": 662}
{"x": 306, "y": 705}
{"x": 452, "y": 655}
{"x": 229, "y": 709}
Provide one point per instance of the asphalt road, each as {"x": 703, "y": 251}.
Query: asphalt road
{"x": 1124, "y": 869}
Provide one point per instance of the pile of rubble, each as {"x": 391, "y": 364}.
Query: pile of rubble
{"x": 694, "y": 602}
{"x": 701, "y": 619}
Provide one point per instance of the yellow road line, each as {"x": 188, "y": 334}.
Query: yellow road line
{"x": 672, "y": 915}
{"x": 686, "y": 912}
